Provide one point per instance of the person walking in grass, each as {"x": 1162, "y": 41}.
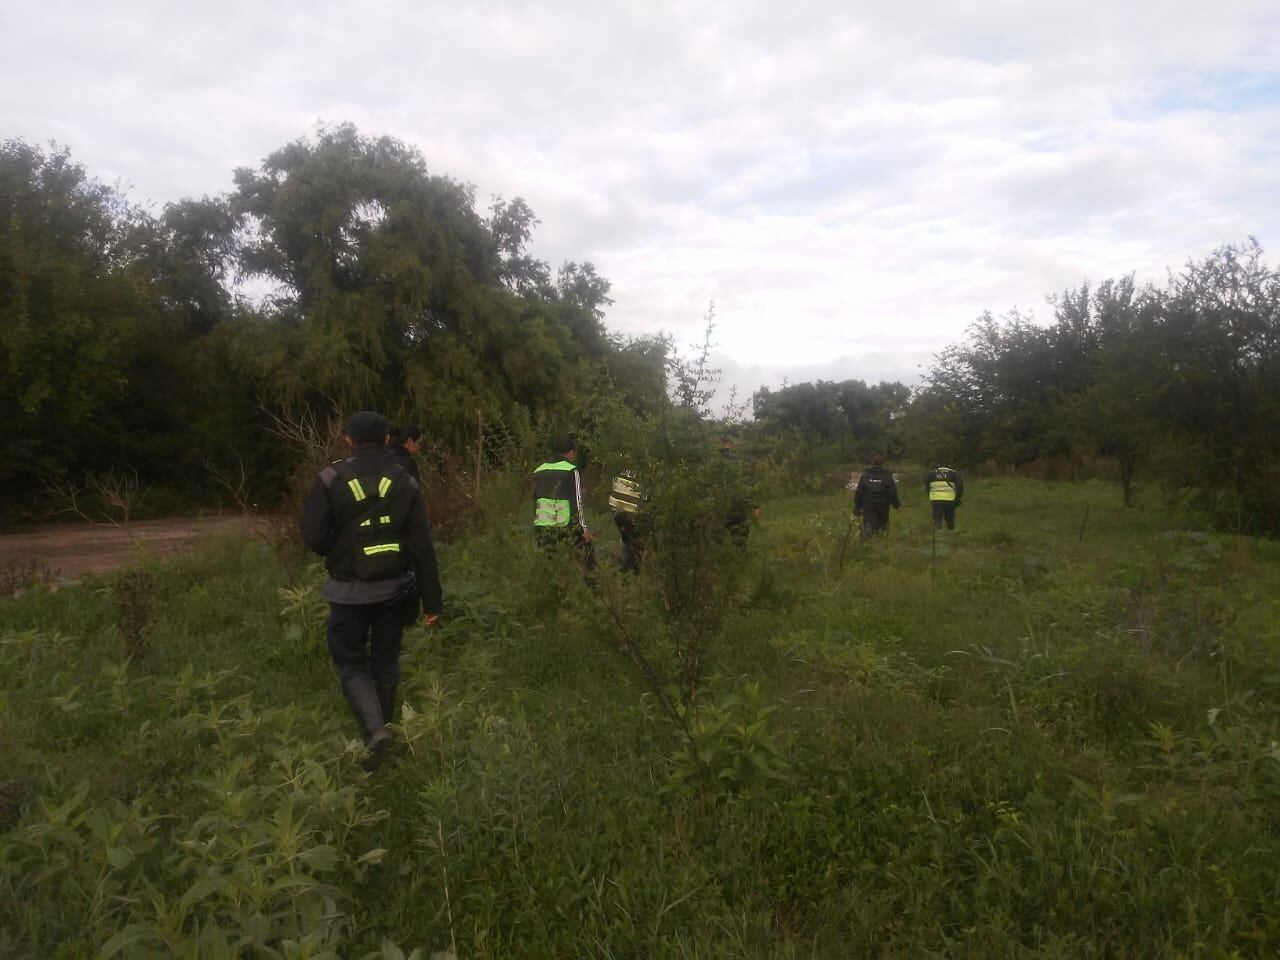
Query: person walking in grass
{"x": 945, "y": 488}
{"x": 558, "y": 519}
{"x": 365, "y": 516}
{"x": 628, "y": 508}
{"x": 403, "y": 447}
{"x": 876, "y": 492}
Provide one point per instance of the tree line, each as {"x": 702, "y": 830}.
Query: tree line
{"x": 1177, "y": 385}
{"x": 339, "y": 273}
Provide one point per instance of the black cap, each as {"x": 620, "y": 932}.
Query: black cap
{"x": 367, "y": 427}
{"x": 564, "y": 444}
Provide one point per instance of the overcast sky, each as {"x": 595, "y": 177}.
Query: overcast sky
{"x": 851, "y": 183}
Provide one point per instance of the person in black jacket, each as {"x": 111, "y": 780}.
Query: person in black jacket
{"x": 876, "y": 492}
{"x": 403, "y": 447}
{"x": 558, "y": 517}
{"x": 366, "y": 517}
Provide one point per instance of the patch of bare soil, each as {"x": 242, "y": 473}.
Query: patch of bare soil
{"x": 71, "y": 551}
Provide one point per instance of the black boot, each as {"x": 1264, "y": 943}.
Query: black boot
{"x": 387, "y": 700}
{"x": 378, "y": 745}
{"x": 363, "y": 699}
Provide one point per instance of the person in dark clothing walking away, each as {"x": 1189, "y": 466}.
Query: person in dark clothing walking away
{"x": 365, "y": 516}
{"x": 628, "y": 513}
{"x": 557, "y": 503}
{"x": 403, "y": 446}
{"x": 945, "y": 489}
{"x": 876, "y": 492}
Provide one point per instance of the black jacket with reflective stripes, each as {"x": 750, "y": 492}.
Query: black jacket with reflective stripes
{"x": 366, "y": 517}
{"x": 399, "y": 455}
{"x": 876, "y": 489}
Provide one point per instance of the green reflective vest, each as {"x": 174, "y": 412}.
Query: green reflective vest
{"x": 554, "y": 494}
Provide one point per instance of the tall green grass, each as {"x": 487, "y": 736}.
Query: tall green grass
{"x": 1007, "y": 741}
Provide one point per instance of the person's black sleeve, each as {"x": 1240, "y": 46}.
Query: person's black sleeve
{"x": 423, "y": 550}
{"x": 959, "y": 488}
{"x": 315, "y": 523}
{"x": 893, "y": 493}
{"x": 859, "y": 493}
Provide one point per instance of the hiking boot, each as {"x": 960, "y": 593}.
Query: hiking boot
{"x": 377, "y": 746}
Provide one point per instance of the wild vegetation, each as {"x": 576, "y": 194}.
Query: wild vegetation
{"x": 165, "y": 348}
{"x": 1176, "y": 388}
{"x": 1053, "y": 733}
{"x": 338, "y": 273}
{"x": 1033, "y": 737}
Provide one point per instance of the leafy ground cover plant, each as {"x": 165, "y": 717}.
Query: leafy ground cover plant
{"x": 919, "y": 753}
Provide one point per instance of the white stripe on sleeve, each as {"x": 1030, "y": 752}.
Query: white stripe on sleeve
{"x": 577, "y": 495}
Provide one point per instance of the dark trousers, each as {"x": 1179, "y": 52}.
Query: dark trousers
{"x": 875, "y": 520}
{"x": 553, "y": 539}
{"x": 364, "y": 641}
{"x": 943, "y": 510}
{"x": 632, "y": 543}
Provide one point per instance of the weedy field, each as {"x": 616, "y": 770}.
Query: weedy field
{"x": 1043, "y": 735}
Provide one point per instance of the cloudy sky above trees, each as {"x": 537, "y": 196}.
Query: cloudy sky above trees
{"x": 850, "y": 183}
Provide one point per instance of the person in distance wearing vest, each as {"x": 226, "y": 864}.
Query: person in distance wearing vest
{"x": 365, "y": 516}
{"x": 628, "y": 506}
{"x": 557, "y": 503}
{"x": 876, "y": 492}
{"x": 945, "y": 489}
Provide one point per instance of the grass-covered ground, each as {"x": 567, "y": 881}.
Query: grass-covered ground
{"x": 1018, "y": 742}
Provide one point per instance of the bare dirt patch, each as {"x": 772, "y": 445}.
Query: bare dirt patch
{"x": 73, "y": 550}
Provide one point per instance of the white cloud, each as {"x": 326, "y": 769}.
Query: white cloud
{"x": 851, "y": 186}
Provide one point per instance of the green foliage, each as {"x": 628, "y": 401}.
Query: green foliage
{"x": 900, "y": 754}
{"x": 856, "y": 418}
{"x": 125, "y": 348}
{"x": 1178, "y": 385}
{"x": 70, "y": 301}
{"x": 695, "y": 524}
{"x": 731, "y": 746}
{"x": 134, "y": 594}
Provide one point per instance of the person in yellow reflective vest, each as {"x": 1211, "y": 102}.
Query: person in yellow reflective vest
{"x": 365, "y": 516}
{"x": 558, "y": 518}
{"x": 945, "y": 489}
{"x": 628, "y": 508}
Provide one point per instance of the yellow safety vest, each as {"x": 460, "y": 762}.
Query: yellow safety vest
{"x": 942, "y": 490}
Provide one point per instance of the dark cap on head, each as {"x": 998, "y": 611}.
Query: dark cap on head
{"x": 367, "y": 427}
{"x": 564, "y": 444}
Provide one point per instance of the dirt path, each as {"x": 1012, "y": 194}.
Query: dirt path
{"x": 73, "y": 550}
